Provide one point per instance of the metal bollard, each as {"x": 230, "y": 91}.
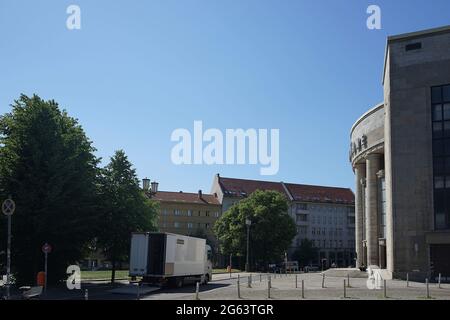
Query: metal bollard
{"x": 249, "y": 281}
{"x": 348, "y": 280}
{"x": 345, "y": 289}
{"x": 428, "y": 288}
{"x": 269, "y": 284}
{"x": 138, "y": 295}
{"x": 86, "y": 294}
{"x": 296, "y": 286}
{"x": 197, "y": 289}
{"x": 303, "y": 289}
{"x": 385, "y": 289}
{"x": 439, "y": 281}
{"x": 323, "y": 280}
{"x": 407, "y": 279}
{"x": 239, "y": 287}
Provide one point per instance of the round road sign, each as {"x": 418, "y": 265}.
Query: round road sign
{"x": 46, "y": 248}
{"x": 8, "y": 207}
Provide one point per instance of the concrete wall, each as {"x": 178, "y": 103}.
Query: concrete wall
{"x": 409, "y": 176}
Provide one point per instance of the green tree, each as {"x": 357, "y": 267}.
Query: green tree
{"x": 126, "y": 209}
{"x": 47, "y": 165}
{"x": 271, "y": 232}
{"x": 305, "y": 253}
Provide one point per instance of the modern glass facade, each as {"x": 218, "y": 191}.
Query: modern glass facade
{"x": 440, "y": 98}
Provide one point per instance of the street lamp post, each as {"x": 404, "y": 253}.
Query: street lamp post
{"x": 8, "y": 208}
{"x": 248, "y": 222}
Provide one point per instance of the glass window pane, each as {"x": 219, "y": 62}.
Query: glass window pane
{"x": 446, "y": 93}
{"x": 437, "y": 112}
{"x": 438, "y": 165}
{"x": 436, "y": 95}
{"x": 446, "y": 132}
{"x": 440, "y": 220}
{"x": 438, "y": 183}
{"x": 437, "y": 130}
{"x": 447, "y": 146}
{"x": 447, "y": 111}
{"x": 438, "y": 147}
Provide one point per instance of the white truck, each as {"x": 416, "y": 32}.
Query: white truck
{"x": 167, "y": 258}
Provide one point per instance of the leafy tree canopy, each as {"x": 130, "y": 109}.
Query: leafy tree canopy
{"x": 271, "y": 231}
{"x": 47, "y": 165}
{"x": 126, "y": 209}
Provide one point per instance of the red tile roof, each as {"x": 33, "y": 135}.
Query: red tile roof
{"x": 167, "y": 196}
{"x": 241, "y": 188}
{"x": 307, "y": 193}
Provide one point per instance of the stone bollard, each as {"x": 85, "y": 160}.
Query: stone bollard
{"x": 303, "y": 289}
{"x": 385, "y": 289}
{"x": 345, "y": 289}
{"x": 348, "y": 281}
{"x": 138, "y": 294}
{"x": 86, "y": 294}
{"x": 323, "y": 280}
{"x": 439, "y": 281}
{"x": 239, "y": 287}
{"x": 407, "y": 279}
{"x": 296, "y": 286}
{"x": 197, "y": 289}
{"x": 249, "y": 281}
{"x": 428, "y": 288}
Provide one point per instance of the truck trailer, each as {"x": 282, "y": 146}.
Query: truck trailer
{"x": 169, "y": 259}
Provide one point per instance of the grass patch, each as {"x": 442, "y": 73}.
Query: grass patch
{"x": 224, "y": 270}
{"x": 103, "y": 275}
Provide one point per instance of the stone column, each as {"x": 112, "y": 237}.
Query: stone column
{"x": 360, "y": 173}
{"x": 372, "y": 167}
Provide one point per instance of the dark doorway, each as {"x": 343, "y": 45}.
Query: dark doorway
{"x": 440, "y": 261}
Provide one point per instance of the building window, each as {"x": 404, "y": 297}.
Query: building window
{"x": 313, "y": 231}
{"x": 199, "y": 213}
{"x": 216, "y": 214}
{"x": 206, "y": 225}
{"x": 302, "y": 230}
{"x": 177, "y": 212}
{"x": 382, "y": 202}
{"x": 164, "y": 212}
{"x": 207, "y": 213}
{"x": 302, "y": 206}
{"x": 440, "y": 99}
{"x": 189, "y": 213}
{"x": 190, "y": 225}
{"x": 176, "y": 224}
{"x": 302, "y": 217}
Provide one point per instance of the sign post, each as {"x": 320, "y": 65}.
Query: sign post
{"x": 8, "y": 208}
{"x": 46, "y": 249}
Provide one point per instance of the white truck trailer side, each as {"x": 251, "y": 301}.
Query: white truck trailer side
{"x": 161, "y": 258}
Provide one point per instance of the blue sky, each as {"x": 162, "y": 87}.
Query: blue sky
{"x": 137, "y": 70}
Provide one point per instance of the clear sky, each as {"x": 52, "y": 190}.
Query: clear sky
{"x": 137, "y": 70}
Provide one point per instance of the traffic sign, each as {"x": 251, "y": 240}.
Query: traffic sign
{"x": 46, "y": 248}
{"x": 8, "y": 207}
